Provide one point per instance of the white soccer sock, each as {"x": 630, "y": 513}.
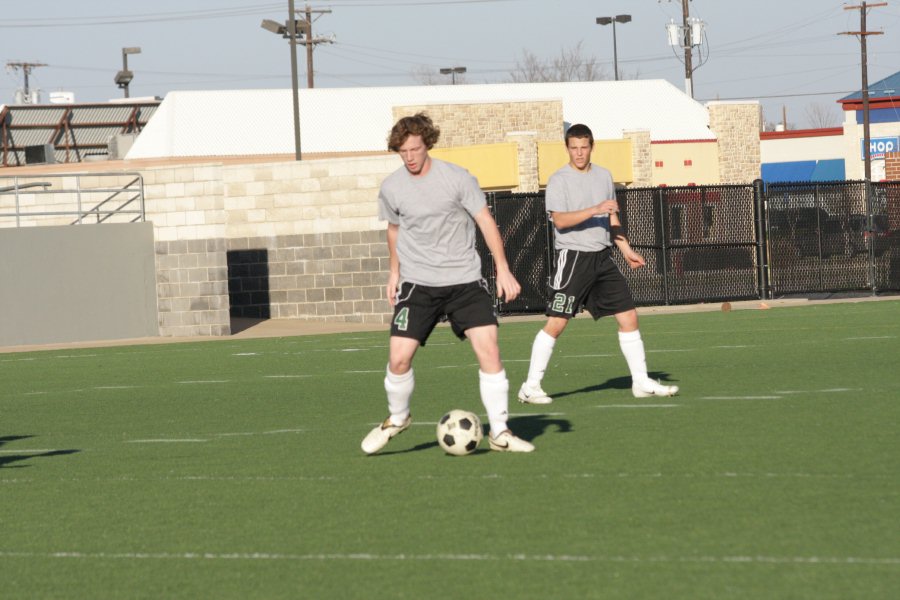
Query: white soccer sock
{"x": 399, "y": 388}
{"x": 541, "y": 351}
{"x": 495, "y": 397}
{"x": 633, "y": 348}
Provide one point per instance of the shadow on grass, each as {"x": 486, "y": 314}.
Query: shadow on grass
{"x": 617, "y": 383}
{"x": 6, "y": 460}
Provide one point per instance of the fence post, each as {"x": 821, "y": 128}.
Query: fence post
{"x": 870, "y": 225}
{"x": 663, "y": 236}
{"x": 762, "y": 256}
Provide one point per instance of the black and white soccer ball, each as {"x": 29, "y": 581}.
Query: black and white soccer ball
{"x": 459, "y": 432}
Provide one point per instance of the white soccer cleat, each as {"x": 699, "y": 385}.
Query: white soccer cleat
{"x": 653, "y": 388}
{"x": 381, "y": 435}
{"x": 529, "y": 394}
{"x": 507, "y": 442}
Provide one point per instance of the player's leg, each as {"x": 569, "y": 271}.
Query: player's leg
{"x": 414, "y": 319}
{"x": 633, "y": 350}
{"x": 471, "y": 314}
{"x": 571, "y": 281}
{"x": 611, "y": 295}
{"x": 494, "y": 387}
{"x": 531, "y": 391}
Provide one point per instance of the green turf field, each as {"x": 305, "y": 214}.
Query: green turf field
{"x": 232, "y": 469}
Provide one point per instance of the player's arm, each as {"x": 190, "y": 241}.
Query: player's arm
{"x": 394, "y": 276}
{"x": 567, "y": 219}
{"x": 633, "y": 259}
{"x": 507, "y": 286}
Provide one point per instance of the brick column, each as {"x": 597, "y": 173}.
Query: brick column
{"x": 528, "y": 160}
{"x": 641, "y": 157}
{"x": 737, "y": 126}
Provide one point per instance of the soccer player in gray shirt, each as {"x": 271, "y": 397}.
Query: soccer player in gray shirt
{"x": 581, "y": 200}
{"x": 432, "y": 208}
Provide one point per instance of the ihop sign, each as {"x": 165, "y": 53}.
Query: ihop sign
{"x": 879, "y": 146}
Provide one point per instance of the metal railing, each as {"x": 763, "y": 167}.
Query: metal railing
{"x": 71, "y": 199}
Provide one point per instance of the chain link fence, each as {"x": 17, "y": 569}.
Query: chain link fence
{"x": 724, "y": 242}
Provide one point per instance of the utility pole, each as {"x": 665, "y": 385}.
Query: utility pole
{"x": 26, "y": 70}
{"x": 310, "y": 42}
{"x": 863, "y": 33}
{"x": 686, "y": 36}
{"x": 688, "y": 43}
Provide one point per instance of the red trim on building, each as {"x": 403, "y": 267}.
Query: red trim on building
{"x": 857, "y": 104}
{"x": 800, "y": 133}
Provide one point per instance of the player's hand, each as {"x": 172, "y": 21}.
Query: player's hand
{"x": 634, "y": 259}
{"x": 607, "y": 207}
{"x": 391, "y": 288}
{"x": 507, "y": 286}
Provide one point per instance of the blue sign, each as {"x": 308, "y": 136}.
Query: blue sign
{"x": 879, "y": 146}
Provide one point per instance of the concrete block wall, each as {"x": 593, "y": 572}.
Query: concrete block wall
{"x": 314, "y": 276}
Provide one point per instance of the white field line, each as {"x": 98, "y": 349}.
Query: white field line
{"x": 742, "y": 397}
{"x": 638, "y": 405}
{"x": 273, "y": 432}
{"x": 214, "y": 435}
{"x": 116, "y": 387}
{"x": 828, "y": 391}
{"x": 588, "y": 355}
{"x": 247, "y": 354}
{"x": 363, "y": 372}
{"x": 732, "y": 347}
{"x": 493, "y": 476}
{"x": 286, "y": 376}
{"x": 872, "y": 337}
{"x": 167, "y": 441}
{"x": 366, "y": 556}
{"x": 203, "y": 381}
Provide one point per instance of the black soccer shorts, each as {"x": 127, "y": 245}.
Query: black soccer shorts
{"x": 587, "y": 280}
{"x": 420, "y": 308}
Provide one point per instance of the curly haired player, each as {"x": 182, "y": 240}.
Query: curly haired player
{"x": 432, "y": 208}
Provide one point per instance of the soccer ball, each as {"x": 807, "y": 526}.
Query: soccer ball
{"x": 459, "y": 432}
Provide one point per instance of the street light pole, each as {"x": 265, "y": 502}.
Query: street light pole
{"x": 613, "y": 21}
{"x": 452, "y": 71}
{"x": 289, "y": 30}
{"x": 123, "y": 78}
{"x": 292, "y": 32}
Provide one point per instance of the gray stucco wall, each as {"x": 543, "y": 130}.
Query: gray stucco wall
{"x": 77, "y": 283}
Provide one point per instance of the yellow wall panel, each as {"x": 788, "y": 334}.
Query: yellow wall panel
{"x": 614, "y": 155}
{"x": 495, "y": 165}
{"x": 702, "y": 170}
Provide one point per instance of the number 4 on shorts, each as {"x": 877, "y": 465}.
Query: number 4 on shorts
{"x": 402, "y": 318}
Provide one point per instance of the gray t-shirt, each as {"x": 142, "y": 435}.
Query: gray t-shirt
{"x": 569, "y": 190}
{"x": 436, "y": 239}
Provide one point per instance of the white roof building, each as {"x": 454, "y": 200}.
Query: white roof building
{"x": 254, "y": 122}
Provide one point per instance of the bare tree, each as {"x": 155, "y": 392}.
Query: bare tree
{"x": 820, "y": 116}
{"x": 572, "y": 64}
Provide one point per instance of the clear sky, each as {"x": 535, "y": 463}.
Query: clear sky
{"x": 788, "y": 54}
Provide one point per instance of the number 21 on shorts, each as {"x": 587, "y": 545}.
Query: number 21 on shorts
{"x": 562, "y": 303}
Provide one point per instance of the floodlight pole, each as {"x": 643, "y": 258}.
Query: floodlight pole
{"x": 292, "y": 33}
{"x": 613, "y": 21}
